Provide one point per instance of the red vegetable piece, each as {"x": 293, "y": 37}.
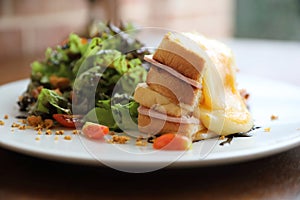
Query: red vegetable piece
{"x": 69, "y": 121}
{"x": 172, "y": 141}
{"x": 94, "y": 131}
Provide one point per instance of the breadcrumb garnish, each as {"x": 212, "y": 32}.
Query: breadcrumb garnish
{"x": 22, "y": 127}
{"x": 34, "y": 121}
{"x": 75, "y": 132}
{"x": 48, "y": 132}
{"x": 37, "y": 138}
{"x": 59, "y": 132}
{"x": 140, "y": 141}
{"x": 5, "y": 116}
{"x": 48, "y": 123}
{"x": 119, "y": 139}
{"x": 68, "y": 137}
{"x": 15, "y": 125}
{"x": 56, "y": 138}
{"x": 39, "y": 127}
{"x": 2, "y": 123}
{"x": 267, "y": 129}
{"x": 274, "y": 117}
{"x": 222, "y": 137}
{"x": 22, "y": 121}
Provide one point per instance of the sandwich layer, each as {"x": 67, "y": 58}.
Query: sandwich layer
{"x": 149, "y": 98}
{"x": 194, "y": 83}
{"x": 182, "y": 54}
{"x": 151, "y": 122}
{"x": 172, "y": 87}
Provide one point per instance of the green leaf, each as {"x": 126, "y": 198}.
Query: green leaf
{"x": 49, "y": 97}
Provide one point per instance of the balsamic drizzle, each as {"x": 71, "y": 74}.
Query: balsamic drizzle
{"x": 241, "y": 134}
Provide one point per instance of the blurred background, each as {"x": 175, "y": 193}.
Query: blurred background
{"x": 28, "y": 27}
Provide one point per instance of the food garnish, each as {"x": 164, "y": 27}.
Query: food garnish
{"x": 274, "y": 117}
{"x": 119, "y": 139}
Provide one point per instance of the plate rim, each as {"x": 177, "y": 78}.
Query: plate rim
{"x": 262, "y": 152}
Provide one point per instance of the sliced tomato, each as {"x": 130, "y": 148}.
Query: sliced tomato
{"x": 69, "y": 121}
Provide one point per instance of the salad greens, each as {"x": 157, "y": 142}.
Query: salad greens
{"x": 86, "y": 75}
{"x": 119, "y": 110}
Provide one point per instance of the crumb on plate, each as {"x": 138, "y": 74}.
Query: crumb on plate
{"x": 2, "y": 123}
{"x": 140, "y": 141}
{"x": 37, "y": 138}
{"x": 22, "y": 127}
{"x": 274, "y": 117}
{"x": 5, "y": 116}
{"x": 267, "y": 129}
{"x": 22, "y": 121}
{"x": 119, "y": 139}
{"x": 48, "y": 132}
{"x": 222, "y": 137}
{"x": 15, "y": 125}
{"x": 68, "y": 137}
{"x": 59, "y": 132}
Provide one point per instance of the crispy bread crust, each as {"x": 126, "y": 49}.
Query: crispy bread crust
{"x": 151, "y": 125}
{"x": 171, "y": 87}
{"x": 149, "y": 98}
{"x": 172, "y": 53}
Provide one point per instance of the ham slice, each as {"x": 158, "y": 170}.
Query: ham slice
{"x": 149, "y": 58}
{"x": 152, "y": 113}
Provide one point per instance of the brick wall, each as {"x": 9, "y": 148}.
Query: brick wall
{"x": 28, "y": 27}
{"x": 210, "y": 17}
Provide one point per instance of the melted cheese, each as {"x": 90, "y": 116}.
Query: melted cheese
{"x": 222, "y": 109}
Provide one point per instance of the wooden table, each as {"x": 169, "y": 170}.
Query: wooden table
{"x": 274, "y": 177}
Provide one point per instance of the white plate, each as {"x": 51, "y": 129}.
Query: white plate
{"x": 267, "y": 98}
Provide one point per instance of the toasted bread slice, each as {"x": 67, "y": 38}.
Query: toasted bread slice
{"x": 182, "y": 54}
{"x": 173, "y": 88}
{"x": 152, "y": 122}
{"x": 149, "y": 98}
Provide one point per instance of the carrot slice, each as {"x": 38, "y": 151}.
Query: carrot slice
{"x": 172, "y": 141}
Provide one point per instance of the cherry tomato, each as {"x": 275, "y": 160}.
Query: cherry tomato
{"x": 69, "y": 121}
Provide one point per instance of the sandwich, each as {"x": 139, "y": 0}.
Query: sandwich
{"x": 191, "y": 89}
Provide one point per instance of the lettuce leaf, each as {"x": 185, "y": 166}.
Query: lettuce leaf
{"x": 49, "y": 102}
{"x": 116, "y": 117}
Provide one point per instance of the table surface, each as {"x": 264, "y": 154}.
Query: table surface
{"x": 274, "y": 177}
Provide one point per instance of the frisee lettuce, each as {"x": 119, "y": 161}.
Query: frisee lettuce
{"x": 94, "y": 67}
